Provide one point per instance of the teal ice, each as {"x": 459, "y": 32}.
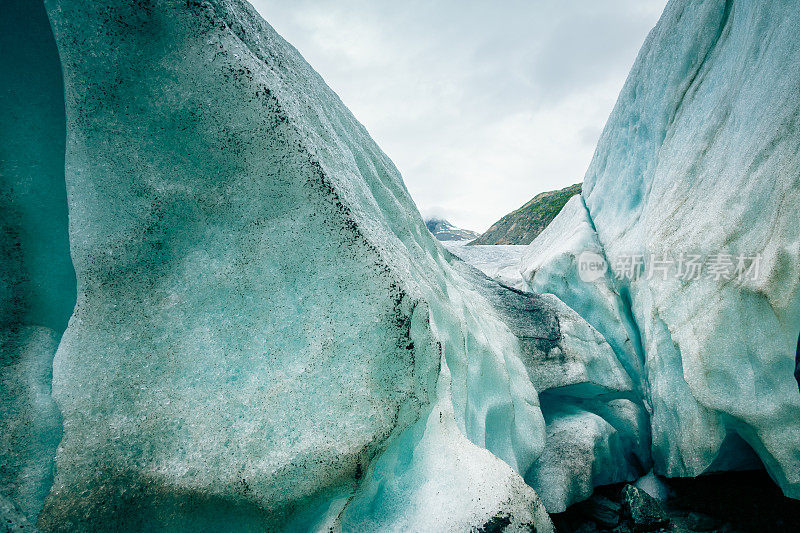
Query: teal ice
{"x": 701, "y": 156}
{"x": 222, "y": 311}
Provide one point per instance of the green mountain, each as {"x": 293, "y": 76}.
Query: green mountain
{"x": 527, "y": 222}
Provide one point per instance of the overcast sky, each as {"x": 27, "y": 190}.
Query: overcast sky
{"x": 481, "y": 105}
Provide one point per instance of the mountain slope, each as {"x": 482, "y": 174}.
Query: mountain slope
{"x": 527, "y": 222}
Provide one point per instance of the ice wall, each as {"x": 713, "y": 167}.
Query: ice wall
{"x": 266, "y": 335}
{"x": 37, "y": 282}
{"x": 701, "y": 156}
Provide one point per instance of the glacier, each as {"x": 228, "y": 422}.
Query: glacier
{"x": 221, "y": 309}
{"x": 701, "y": 157}
{"x": 498, "y": 261}
{"x": 264, "y": 333}
{"x": 37, "y": 280}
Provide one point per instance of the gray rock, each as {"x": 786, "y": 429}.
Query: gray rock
{"x": 643, "y": 510}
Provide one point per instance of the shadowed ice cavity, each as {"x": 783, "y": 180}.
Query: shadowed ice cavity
{"x": 37, "y": 281}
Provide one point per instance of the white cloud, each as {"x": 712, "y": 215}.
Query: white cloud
{"x": 480, "y": 105}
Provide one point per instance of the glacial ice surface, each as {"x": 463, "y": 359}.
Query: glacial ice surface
{"x": 701, "y": 155}
{"x": 265, "y": 335}
{"x": 589, "y": 443}
{"x": 37, "y": 281}
{"x": 499, "y": 262}
{"x": 263, "y": 325}
{"x": 597, "y": 427}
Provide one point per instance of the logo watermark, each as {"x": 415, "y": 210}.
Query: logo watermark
{"x": 591, "y": 266}
{"x": 683, "y": 266}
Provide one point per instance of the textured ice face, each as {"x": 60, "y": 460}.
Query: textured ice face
{"x": 552, "y": 264}
{"x": 700, "y": 156}
{"x": 261, "y": 315}
{"x": 589, "y": 443}
{"x": 37, "y": 282}
{"x": 266, "y": 335}
{"x": 499, "y": 262}
{"x": 597, "y": 426}
{"x": 423, "y": 479}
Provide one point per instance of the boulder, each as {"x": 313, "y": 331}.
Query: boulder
{"x": 644, "y": 511}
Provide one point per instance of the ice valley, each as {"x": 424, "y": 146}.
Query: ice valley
{"x": 221, "y": 309}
